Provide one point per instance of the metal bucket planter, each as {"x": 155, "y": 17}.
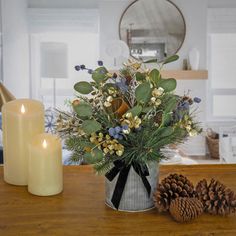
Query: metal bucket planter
{"x": 135, "y": 196}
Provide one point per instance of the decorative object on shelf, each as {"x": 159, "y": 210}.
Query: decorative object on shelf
{"x": 149, "y": 36}
{"x": 217, "y": 199}
{"x": 185, "y": 64}
{"x": 126, "y": 143}
{"x": 184, "y": 209}
{"x": 212, "y": 139}
{"x": 117, "y": 49}
{"x": 45, "y": 175}
{"x": 54, "y": 63}
{"x": 5, "y": 95}
{"x": 22, "y": 119}
{"x": 194, "y": 58}
{"x": 170, "y": 188}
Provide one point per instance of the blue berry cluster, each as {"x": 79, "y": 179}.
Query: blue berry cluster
{"x": 197, "y": 100}
{"x": 83, "y": 67}
{"x": 117, "y": 132}
{"x": 183, "y": 108}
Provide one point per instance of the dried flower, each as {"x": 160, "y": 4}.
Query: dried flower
{"x": 155, "y": 101}
{"x": 131, "y": 122}
{"x": 156, "y": 92}
{"x": 106, "y": 144}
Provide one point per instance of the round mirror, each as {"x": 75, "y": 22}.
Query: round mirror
{"x": 152, "y": 29}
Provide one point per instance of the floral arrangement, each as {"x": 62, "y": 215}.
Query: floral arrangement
{"x": 127, "y": 116}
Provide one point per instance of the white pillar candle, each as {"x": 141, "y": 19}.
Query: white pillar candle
{"x": 22, "y": 119}
{"x": 45, "y": 165}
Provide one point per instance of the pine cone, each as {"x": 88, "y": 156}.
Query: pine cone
{"x": 184, "y": 209}
{"x": 217, "y": 199}
{"x": 171, "y": 187}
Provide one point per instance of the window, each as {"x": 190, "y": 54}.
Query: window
{"x": 222, "y": 69}
{"x": 79, "y": 30}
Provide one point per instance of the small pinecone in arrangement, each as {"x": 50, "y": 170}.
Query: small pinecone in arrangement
{"x": 184, "y": 209}
{"x": 217, "y": 199}
{"x": 172, "y": 187}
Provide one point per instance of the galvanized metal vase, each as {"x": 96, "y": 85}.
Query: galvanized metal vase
{"x": 135, "y": 197}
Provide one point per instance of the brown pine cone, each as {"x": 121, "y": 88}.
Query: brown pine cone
{"x": 217, "y": 199}
{"x": 184, "y": 209}
{"x": 171, "y": 187}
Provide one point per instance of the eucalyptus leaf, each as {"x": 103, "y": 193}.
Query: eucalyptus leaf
{"x": 165, "y": 131}
{"x": 83, "y": 87}
{"x": 167, "y": 84}
{"x": 109, "y": 85}
{"x": 155, "y": 75}
{"x": 135, "y": 111}
{"x": 143, "y": 92}
{"x": 99, "y": 75}
{"x": 91, "y": 126}
{"x": 140, "y": 76}
{"x": 171, "y": 59}
{"x": 171, "y": 104}
{"x": 151, "y": 61}
{"x": 166, "y": 119}
{"x": 83, "y": 109}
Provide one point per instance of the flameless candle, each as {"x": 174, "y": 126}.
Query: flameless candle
{"x": 22, "y": 119}
{"x": 45, "y": 165}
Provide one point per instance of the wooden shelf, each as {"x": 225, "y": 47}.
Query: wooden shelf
{"x": 182, "y": 74}
{"x": 185, "y": 74}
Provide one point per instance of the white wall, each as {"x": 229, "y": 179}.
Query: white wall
{"x": 195, "y": 13}
{"x": 221, "y": 3}
{"x": 15, "y": 47}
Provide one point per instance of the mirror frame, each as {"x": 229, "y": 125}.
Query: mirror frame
{"x": 178, "y": 9}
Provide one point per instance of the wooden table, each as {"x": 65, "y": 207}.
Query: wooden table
{"x": 80, "y": 209}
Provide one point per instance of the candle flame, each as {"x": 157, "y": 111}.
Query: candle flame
{"x": 22, "y": 109}
{"x": 45, "y": 144}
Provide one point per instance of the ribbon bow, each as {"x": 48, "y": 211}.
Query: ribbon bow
{"x": 120, "y": 167}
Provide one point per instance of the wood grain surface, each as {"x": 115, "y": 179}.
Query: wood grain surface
{"x": 181, "y": 74}
{"x": 80, "y": 209}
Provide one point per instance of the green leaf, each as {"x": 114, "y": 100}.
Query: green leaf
{"x": 166, "y": 131}
{"x": 171, "y": 59}
{"x": 140, "y": 76}
{"x": 166, "y": 118}
{"x": 99, "y": 75}
{"x": 171, "y": 105}
{"x": 94, "y": 156}
{"x": 147, "y": 109}
{"x": 135, "y": 110}
{"x": 168, "y": 84}
{"x": 91, "y": 126}
{"x": 151, "y": 61}
{"x": 108, "y": 86}
{"x": 155, "y": 75}
{"x": 83, "y": 109}
{"x": 143, "y": 92}
{"x": 83, "y": 87}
